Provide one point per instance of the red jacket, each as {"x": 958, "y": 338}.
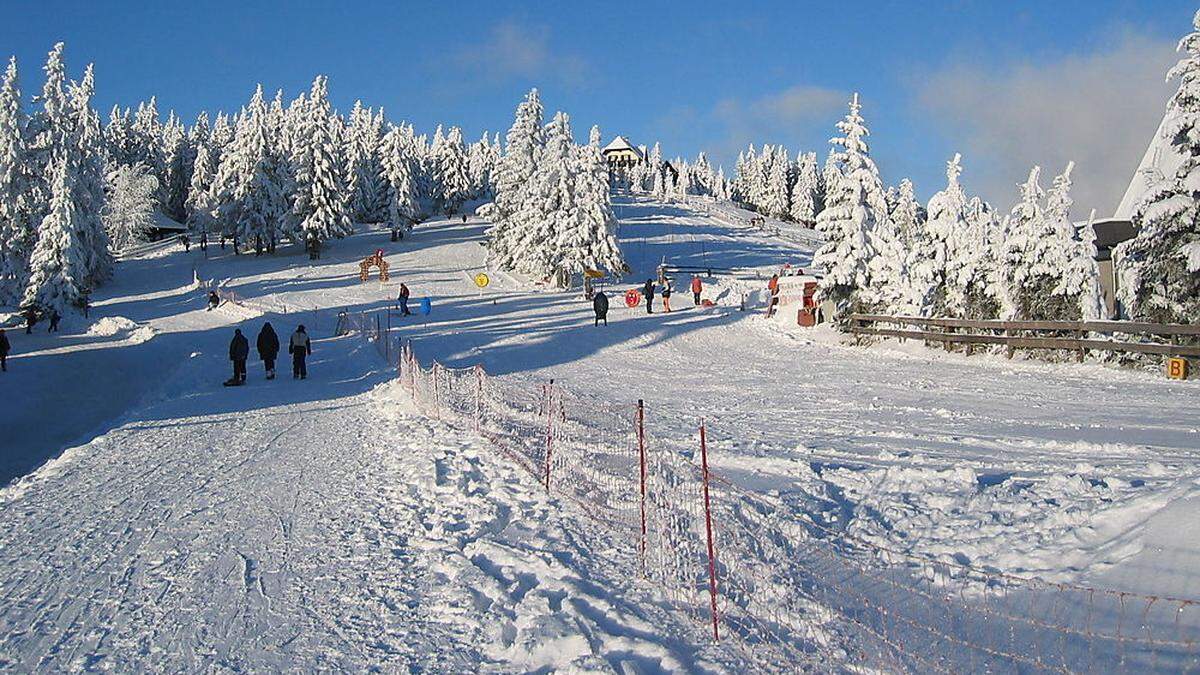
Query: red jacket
{"x": 697, "y": 286}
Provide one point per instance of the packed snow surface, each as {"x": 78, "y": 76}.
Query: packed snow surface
{"x": 158, "y": 519}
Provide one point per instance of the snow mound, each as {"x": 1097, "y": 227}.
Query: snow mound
{"x": 112, "y": 325}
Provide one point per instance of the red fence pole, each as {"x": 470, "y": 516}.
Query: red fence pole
{"x": 641, "y": 439}
{"x": 712, "y": 556}
{"x": 549, "y": 429}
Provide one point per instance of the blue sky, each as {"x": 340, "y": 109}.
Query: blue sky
{"x": 1008, "y": 84}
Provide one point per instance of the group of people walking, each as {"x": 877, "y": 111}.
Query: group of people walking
{"x": 649, "y": 290}
{"x": 267, "y": 344}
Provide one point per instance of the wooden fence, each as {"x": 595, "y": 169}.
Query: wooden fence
{"x": 1180, "y": 340}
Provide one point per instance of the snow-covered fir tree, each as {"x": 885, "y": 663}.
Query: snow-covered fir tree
{"x": 57, "y": 267}
{"x": 588, "y": 239}
{"x": 943, "y": 243}
{"x": 907, "y": 213}
{"x": 321, "y": 210}
{"x": 453, "y": 179}
{"x": 1160, "y": 267}
{"x": 854, "y": 206}
{"x": 400, "y": 199}
{"x": 547, "y": 210}
{"x": 85, "y": 155}
{"x": 248, "y": 203}
{"x": 200, "y": 202}
{"x": 17, "y": 232}
{"x": 513, "y": 176}
{"x": 364, "y": 170}
{"x": 48, "y": 132}
{"x": 805, "y": 199}
{"x": 175, "y": 168}
{"x": 129, "y": 213}
{"x": 775, "y": 190}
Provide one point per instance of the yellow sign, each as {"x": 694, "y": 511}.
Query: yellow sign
{"x": 594, "y": 274}
{"x": 1177, "y": 368}
{"x": 482, "y": 280}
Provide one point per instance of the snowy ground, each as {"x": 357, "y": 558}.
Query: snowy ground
{"x": 320, "y": 525}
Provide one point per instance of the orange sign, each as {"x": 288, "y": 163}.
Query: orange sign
{"x": 1177, "y": 368}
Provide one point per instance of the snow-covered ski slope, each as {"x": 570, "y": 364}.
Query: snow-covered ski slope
{"x": 327, "y": 524}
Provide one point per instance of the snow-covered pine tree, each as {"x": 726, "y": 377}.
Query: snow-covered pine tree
{"x": 944, "y": 232}
{"x": 365, "y": 172}
{"x": 175, "y": 160}
{"x": 775, "y": 194}
{"x": 976, "y": 266}
{"x": 548, "y": 210}
{"x": 200, "y": 202}
{"x": 513, "y": 175}
{"x": 453, "y": 181}
{"x": 907, "y": 214}
{"x": 17, "y": 233}
{"x": 1091, "y": 298}
{"x": 129, "y": 213}
{"x": 588, "y": 241}
{"x": 854, "y": 206}
{"x": 1160, "y": 267}
{"x": 1035, "y": 255}
{"x": 147, "y": 137}
{"x": 479, "y": 166}
{"x": 48, "y": 133}
{"x": 321, "y": 210}
{"x": 57, "y": 267}
{"x": 721, "y": 188}
{"x": 400, "y": 193}
{"x": 804, "y": 206}
{"x": 118, "y": 137}
{"x": 702, "y": 175}
{"x": 86, "y": 159}
{"x": 247, "y": 192}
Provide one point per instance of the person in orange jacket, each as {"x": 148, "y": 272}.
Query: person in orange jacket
{"x": 697, "y": 287}
{"x": 773, "y": 287}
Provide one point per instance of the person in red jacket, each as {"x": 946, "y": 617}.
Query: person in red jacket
{"x": 697, "y": 287}
{"x": 773, "y": 287}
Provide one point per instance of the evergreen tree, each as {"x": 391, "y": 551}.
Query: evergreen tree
{"x": 321, "y": 209}
{"x": 365, "y": 173}
{"x": 56, "y": 266}
{"x": 589, "y": 241}
{"x": 547, "y": 211}
{"x": 248, "y": 203}
{"x": 175, "y": 168}
{"x": 400, "y": 194}
{"x": 453, "y": 180}
{"x": 48, "y": 134}
{"x": 854, "y": 207}
{"x": 85, "y": 158}
{"x": 775, "y": 191}
{"x": 17, "y": 234}
{"x": 804, "y": 207}
{"x": 1160, "y": 278}
{"x": 200, "y": 202}
{"x": 514, "y": 173}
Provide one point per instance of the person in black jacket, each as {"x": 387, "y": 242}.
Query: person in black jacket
{"x": 299, "y": 347}
{"x": 600, "y": 305}
{"x": 648, "y": 293}
{"x": 239, "y": 350}
{"x": 4, "y": 347}
{"x": 268, "y": 348}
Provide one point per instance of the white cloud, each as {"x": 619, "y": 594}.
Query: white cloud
{"x": 1098, "y": 109}
{"x": 515, "y": 51}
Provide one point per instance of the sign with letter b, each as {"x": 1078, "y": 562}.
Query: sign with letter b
{"x": 1177, "y": 369}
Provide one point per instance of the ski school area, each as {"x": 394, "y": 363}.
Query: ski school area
{"x": 496, "y": 480}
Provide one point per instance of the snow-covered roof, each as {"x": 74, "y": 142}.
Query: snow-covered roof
{"x": 619, "y": 143}
{"x": 1160, "y": 160}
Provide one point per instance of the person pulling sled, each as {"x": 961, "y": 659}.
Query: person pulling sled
{"x": 239, "y": 350}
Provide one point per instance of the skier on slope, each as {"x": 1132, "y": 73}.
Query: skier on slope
{"x": 299, "y": 347}
{"x": 239, "y": 350}
{"x": 402, "y": 299}
{"x": 600, "y": 305}
{"x": 697, "y": 288}
{"x": 4, "y": 349}
{"x": 268, "y": 348}
{"x": 648, "y": 293}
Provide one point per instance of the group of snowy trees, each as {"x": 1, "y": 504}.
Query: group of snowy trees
{"x": 770, "y": 183}
{"x": 1160, "y": 267}
{"x": 956, "y": 257}
{"x": 552, "y": 215}
{"x": 53, "y": 244}
{"x": 72, "y": 190}
{"x": 673, "y": 180}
